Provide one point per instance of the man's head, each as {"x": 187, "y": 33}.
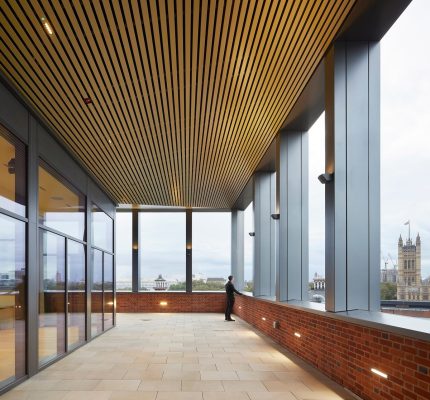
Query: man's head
{"x": 231, "y": 278}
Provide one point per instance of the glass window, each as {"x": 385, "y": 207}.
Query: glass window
{"x": 108, "y": 290}
{"x": 317, "y": 211}
{"x": 60, "y": 207}
{"x": 102, "y": 229}
{"x": 162, "y": 250}
{"x": 12, "y": 299}
{"x": 75, "y": 293}
{"x": 12, "y": 174}
{"x": 123, "y": 251}
{"x": 249, "y": 248}
{"x": 51, "y": 297}
{"x": 97, "y": 293}
{"x": 211, "y": 250}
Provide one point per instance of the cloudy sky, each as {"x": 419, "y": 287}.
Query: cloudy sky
{"x": 405, "y": 171}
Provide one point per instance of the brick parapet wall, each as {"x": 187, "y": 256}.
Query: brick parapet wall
{"x": 346, "y": 351}
{"x": 176, "y": 302}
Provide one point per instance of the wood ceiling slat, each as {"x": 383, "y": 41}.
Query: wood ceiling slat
{"x": 190, "y": 93}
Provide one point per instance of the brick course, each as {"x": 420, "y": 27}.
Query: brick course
{"x": 176, "y": 302}
{"x": 346, "y": 351}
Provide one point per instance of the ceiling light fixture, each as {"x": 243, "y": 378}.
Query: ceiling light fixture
{"x": 47, "y": 26}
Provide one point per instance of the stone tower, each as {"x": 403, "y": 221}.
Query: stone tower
{"x": 409, "y": 281}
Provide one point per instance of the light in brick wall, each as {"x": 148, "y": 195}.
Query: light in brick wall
{"x": 297, "y": 334}
{"x": 377, "y": 372}
{"x": 163, "y": 303}
{"x": 263, "y": 318}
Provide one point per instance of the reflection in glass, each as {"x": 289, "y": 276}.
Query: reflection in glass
{"x": 249, "y": 248}
{"x": 97, "y": 293}
{"x": 108, "y": 291}
{"x": 12, "y": 299}
{"x": 123, "y": 251}
{"x": 51, "y": 297}
{"x": 162, "y": 250}
{"x": 12, "y": 174}
{"x": 211, "y": 250}
{"x": 102, "y": 229}
{"x": 60, "y": 207}
{"x": 75, "y": 293}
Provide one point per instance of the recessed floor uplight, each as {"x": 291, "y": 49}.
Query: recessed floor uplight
{"x": 163, "y": 303}
{"x": 297, "y": 334}
{"x": 377, "y": 372}
{"x": 47, "y": 26}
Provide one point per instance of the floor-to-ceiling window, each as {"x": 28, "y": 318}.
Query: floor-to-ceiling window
{"x": 12, "y": 259}
{"x": 248, "y": 241}
{"x": 62, "y": 265}
{"x": 123, "y": 251}
{"x": 211, "y": 250}
{"x": 162, "y": 250}
{"x": 102, "y": 288}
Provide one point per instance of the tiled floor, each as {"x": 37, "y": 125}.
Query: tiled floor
{"x": 175, "y": 357}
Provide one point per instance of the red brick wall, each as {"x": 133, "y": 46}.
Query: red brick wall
{"x": 345, "y": 351}
{"x": 176, "y": 302}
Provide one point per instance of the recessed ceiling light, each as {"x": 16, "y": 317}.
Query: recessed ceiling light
{"x": 110, "y": 141}
{"x": 47, "y": 26}
{"x": 87, "y": 100}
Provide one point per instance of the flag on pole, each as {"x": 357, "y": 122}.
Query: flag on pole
{"x": 408, "y": 222}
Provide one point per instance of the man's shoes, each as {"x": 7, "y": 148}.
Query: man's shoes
{"x": 231, "y": 319}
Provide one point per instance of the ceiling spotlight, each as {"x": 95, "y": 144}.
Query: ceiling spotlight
{"x": 87, "y": 100}
{"x": 325, "y": 178}
{"x": 47, "y": 26}
{"x": 110, "y": 141}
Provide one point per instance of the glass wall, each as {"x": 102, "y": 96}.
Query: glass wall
{"x": 12, "y": 259}
{"x": 211, "y": 250}
{"x": 75, "y": 293}
{"x": 97, "y": 293}
{"x": 62, "y": 266}
{"x": 249, "y": 248}
{"x": 12, "y": 299}
{"x": 102, "y": 288}
{"x": 123, "y": 251}
{"x": 162, "y": 250}
{"x": 60, "y": 207}
{"x": 317, "y": 211}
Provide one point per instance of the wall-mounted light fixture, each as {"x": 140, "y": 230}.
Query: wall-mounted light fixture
{"x": 263, "y": 318}
{"x": 379, "y": 373}
{"x": 275, "y": 216}
{"x": 163, "y": 303}
{"x": 326, "y": 178}
{"x": 297, "y": 334}
{"x": 252, "y": 234}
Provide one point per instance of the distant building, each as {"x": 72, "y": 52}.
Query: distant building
{"x": 389, "y": 275}
{"x": 319, "y": 282}
{"x": 409, "y": 283}
{"x": 160, "y": 283}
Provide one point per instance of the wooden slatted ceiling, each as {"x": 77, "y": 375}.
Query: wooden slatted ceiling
{"x": 186, "y": 95}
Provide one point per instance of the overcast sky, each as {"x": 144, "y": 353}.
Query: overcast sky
{"x": 405, "y": 168}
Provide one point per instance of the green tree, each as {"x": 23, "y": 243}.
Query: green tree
{"x": 388, "y": 291}
{"x": 178, "y": 286}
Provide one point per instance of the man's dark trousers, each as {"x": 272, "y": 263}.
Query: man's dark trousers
{"x": 229, "y": 308}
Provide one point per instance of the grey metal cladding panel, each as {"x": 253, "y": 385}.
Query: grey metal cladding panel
{"x": 357, "y": 174}
{"x": 305, "y": 214}
{"x": 339, "y": 200}
{"x": 98, "y": 197}
{"x": 60, "y": 160}
{"x": 294, "y": 216}
{"x": 374, "y": 175}
{"x": 13, "y": 114}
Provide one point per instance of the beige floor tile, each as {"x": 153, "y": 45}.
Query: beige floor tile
{"x": 219, "y": 375}
{"x": 179, "y": 396}
{"x": 244, "y": 386}
{"x": 87, "y": 395}
{"x": 199, "y": 367}
{"x": 280, "y": 386}
{"x": 271, "y": 396}
{"x": 143, "y": 375}
{"x": 225, "y": 396}
{"x": 160, "y": 386}
{"x": 182, "y": 375}
{"x": 256, "y": 375}
{"x": 13, "y": 395}
{"x": 123, "y": 385}
{"x": 34, "y": 384}
{"x": 133, "y": 395}
{"x": 47, "y": 395}
{"x": 233, "y": 367}
{"x": 202, "y": 386}
{"x": 76, "y": 384}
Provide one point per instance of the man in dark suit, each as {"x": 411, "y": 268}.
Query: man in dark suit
{"x": 230, "y": 290}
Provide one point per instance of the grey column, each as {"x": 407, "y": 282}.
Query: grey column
{"x": 89, "y": 260}
{"x": 189, "y": 250}
{"x": 135, "y": 263}
{"x": 292, "y": 203}
{"x": 264, "y": 257}
{"x": 353, "y": 156}
{"x": 33, "y": 252}
{"x": 237, "y": 248}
